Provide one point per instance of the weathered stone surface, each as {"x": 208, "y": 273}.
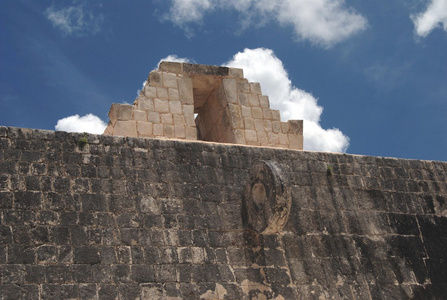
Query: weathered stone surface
{"x": 267, "y": 199}
{"x": 128, "y": 218}
{"x": 205, "y": 69}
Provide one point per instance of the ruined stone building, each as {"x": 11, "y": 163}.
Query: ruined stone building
{"x": 208, "y": 103}
{"x": 218, "y": 205}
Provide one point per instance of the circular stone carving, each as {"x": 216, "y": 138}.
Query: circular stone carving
{"x": 267, "y": 199}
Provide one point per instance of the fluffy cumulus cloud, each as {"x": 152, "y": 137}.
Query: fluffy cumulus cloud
{"x": 323, "y": 22}
{"x": 261, "y": 65}
{"x": 74, "y": 20}
{"x": 434, "y": 16}
{"x": 88, "y": 123}
{"x": 175, "y": 58}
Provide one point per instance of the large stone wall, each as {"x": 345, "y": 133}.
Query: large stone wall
{"x": 104, "y": 217}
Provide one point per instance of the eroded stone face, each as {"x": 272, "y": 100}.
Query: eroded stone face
{"x": 267, "y": 199}
{"x": 209, "y": 103}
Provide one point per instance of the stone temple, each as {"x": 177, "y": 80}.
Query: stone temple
{"x": 199, "y": 191}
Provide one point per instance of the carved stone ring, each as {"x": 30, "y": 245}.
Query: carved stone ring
{"x": 267, "y": 199}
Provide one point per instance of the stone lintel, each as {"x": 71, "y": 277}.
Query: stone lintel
{"x": 171, "y": 67}
{"x": 205, "y": 69}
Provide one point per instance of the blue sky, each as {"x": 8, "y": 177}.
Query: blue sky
{"x": 368, "y": 77}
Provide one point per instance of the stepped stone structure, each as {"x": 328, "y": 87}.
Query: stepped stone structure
{"x": 209, "y": 103}
{"x": 160, "y": 214}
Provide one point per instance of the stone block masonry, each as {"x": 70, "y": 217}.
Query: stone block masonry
{"x": 132, "y": 218}
{"x": 199, "y": 102}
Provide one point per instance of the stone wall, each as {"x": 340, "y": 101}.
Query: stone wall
{"x": 105, "y": 217}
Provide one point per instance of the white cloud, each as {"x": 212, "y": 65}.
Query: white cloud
{"x": 185, "y": 11}
{"x": 261, "y": 65}
{"x": 88, "y": 123}
{"x": 433, "y": 17}
{"x": 74, "y": 20}
{"x": 323, "y": 22}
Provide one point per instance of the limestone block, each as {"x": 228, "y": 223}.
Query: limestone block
{"x": 175, "y": 107}
{"x": 236, "y": 116}
{"x": 250, "y": 135}
{"x": 171, "y": 67}
{"x": 169, "y": 80}
{"x": 236, "y": 72}
{"x": 243, "y": 99}
{"x": 267, "y": 125}
{"x": 276, "y": 126}
{"x": 225, "y": 121}
{"x": 178, "y": 119}
{"x": 120, "y": 112}
{"x": 276, "y": 116}
{"x": 162, "y": 93}
{"x": 144, "y": 129}
{"x": 153, "y": 117}
{"x": 125, "y": 128}
{"x": 179, "y": 131}
{"x": 229, "y": 86}
{"x": 158, "y": 129}
{"x": 256, "y": 112}
{"x": 262, "y": 136}
{"x": 296, "y": 141}
{"x": 185, "y": 90}
{"x": 296, "y": 126}
{"x": 243, "y": 86}
{"x": 253, "y": 100}
{"x": 259, "y": 125}
{"x": 155, "y": 78}
{"x": 246, "y": 111}
{"x": 166, "y": 119}
{"x": 173, "y": 94}
{"x": 255, "y": 88}
{"x": 283, "y": 139}
{"x": 150, "y": 91}
{"x": 188, "y": 113}
{"x": 139, "y": 115}
{"x": 249, "y": 123}
{"x": 264, "y": 101}
{"x": 273, "y": 138}
{"x": 161, "y": 106}
{"x": 237, "y": 138}
{"x": 219, "y": 95}
{"x": 191, "y": 133}
{"x": 267, "y": 113}
{"x": 284, "y": 127}
{"x": 168, "y": 130}
{"x": 145, "y": 103}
